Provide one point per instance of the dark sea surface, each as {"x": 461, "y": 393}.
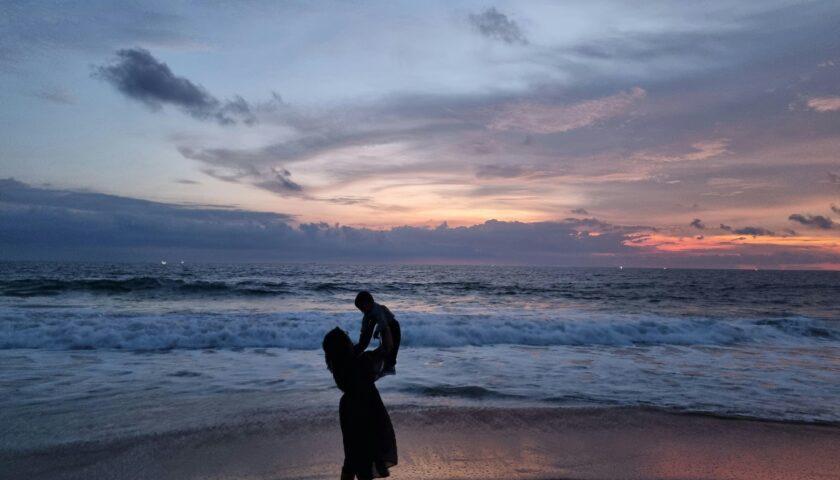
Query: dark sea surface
{"x": 101, "y": 351}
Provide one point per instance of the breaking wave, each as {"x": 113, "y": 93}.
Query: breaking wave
{"x": 80, "y": 330}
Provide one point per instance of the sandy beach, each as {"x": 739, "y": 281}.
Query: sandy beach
{"x": 465, "y": 443}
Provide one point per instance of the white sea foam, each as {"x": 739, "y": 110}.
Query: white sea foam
{"x": 305, "y": 330}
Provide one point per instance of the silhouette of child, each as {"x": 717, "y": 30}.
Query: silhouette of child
{"x": 377, "y": 317}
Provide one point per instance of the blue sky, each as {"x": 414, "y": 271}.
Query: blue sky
{"x": 378, "y": 115}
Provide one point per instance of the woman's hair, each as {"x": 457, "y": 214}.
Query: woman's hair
{"x": 338, "y": 348}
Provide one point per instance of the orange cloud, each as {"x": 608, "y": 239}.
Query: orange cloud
{"x": 672, "y": 243}
{"x": 699, "y": 151}
{"x": 824, "y": 104}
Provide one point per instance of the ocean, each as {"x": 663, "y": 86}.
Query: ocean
{"x": 92, "y": 352}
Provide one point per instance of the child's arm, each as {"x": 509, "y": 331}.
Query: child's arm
{"x": 365, "y": 335}
{"x": 372, "y": 325}
{"x": 379, "y": 356}
{"x": 385, "y": 338}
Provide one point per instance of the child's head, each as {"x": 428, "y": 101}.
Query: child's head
{"x": 364, "y": 301}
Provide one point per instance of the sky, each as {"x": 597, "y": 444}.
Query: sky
{"x": 596, "y": 133}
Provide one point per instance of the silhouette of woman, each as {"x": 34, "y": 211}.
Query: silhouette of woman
{"x": 370, "y": 446}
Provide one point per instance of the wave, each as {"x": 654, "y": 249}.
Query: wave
{"x": 304, "y": 330}
{"x": 162, "y": 287}
{"x": 460, "y": 391}
{"x": 138, "y": 285}
{"x": 34, "y": 287}
{"x": 632, "y": 292}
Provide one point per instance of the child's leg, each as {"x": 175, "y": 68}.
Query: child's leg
{"x": 394, "y": 326}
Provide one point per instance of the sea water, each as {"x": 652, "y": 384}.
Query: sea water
{"x": 107, "y": 351}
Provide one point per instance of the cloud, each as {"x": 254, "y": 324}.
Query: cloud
{"x": 824, "y": 104}
{"x": 579, "y": 211}
{"x": 703, "y": 84}
{"x": 499, "y": 171}
{"x": 55, "y": 95}
{"x": 281, "y": 183}
{"x": 49, "y": 224}
{"x": 817, "y": 221}
{"x": 186, "y": 181}
{"x": 753, "y": 231}
{"x": 545, "y": 119}
{"x": 699, "y": 151}
{"x": 347, "y": 200}
{"x": 140, "y": 76}
{"x": 423, "y": 125}
{"x": 835, "y": 208}
{"x": 46, "y": 223}
{"x": 53, "y": 30}
{"x": 274, "y": 179}
{"x": 725, "y": 227}
{"x": 493, "y": 24}
{"x": 697, "y": 223}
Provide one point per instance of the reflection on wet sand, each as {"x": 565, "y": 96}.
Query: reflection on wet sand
{"x": 469, "y": 443}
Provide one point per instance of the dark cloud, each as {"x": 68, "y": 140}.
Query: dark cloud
{"x": 753, "y": 231}
{"x": 835, "y": 208}
{"x": 47, "y": 224}
{"x": 186, "y": 181}
{"x": 281, "y": 183}
{"x": 347, "y": 200}
{"x": 140, "y": 76}
{"x": 494, "y": 24}
{"x": 44, "y": 223}
{"x": 274, "y": 179}
{"x": 817, "y": 221}
{"x": 725, "y": 227}
{"x": 13, "y": 192}
{"x": 697, "y": 223}
{"x": 579, "y": 211}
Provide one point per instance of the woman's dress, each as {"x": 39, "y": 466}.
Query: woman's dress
{"x": 370, "y": 446}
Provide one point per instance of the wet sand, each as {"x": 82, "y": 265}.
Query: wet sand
{"x": 464, "y": 443}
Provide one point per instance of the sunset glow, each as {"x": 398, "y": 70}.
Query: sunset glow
{"x": 683, "y": 129}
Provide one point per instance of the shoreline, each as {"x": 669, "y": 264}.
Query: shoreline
{"x": 465, "y": 442}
